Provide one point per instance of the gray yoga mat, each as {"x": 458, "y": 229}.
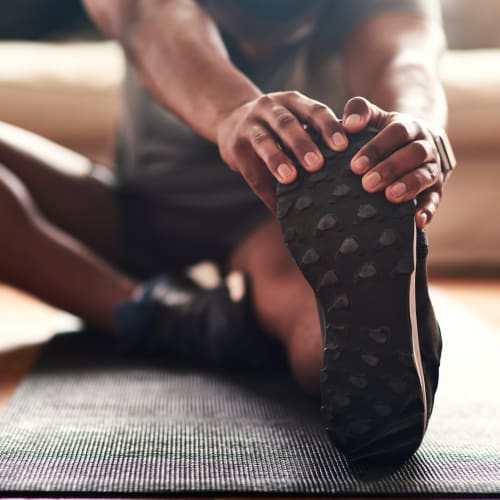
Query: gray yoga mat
{"x": 85, "y": 421}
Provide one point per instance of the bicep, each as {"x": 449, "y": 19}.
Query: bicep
{"x": 112, "y": 16}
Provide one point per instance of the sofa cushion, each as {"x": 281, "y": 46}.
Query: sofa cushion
{"x": 472, "y": 82}
{"x": 471, "y": 24}
{"x": 67, "y": 92}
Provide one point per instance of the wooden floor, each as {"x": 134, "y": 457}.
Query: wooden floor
{"x": 26, "y": 323}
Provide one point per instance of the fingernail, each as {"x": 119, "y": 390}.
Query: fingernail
{"x": 423, "y": 218}
{"x": 353, "y": 120}
{"x": 361, "y": 164}
{"x": 312, "y": 160}
{"x": 372, "y": 180}
{"x": 398, "y": 189}
{"x": 339, "y": 141}
{"x": 284, "y": 171}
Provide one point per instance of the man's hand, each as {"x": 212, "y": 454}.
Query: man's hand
{"x": 401, "y": 159}
{"x": 252, "y": 137}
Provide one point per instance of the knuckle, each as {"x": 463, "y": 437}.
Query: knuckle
{"x": 318, "y": 109}
{"x": 420, "y": 130}
{"x": 420, "y": 179}
{"x": 437, "y": 194}
{"x": 425, "y": 134}
{"x": 431, "y": 197}
{"x": 432, "y": 171}
{"x": 264, "y": 101}
{"x": 420, "y": 150}
{"x": 401, "y": 131}
{"x": 258, "y": 136}
{"x": 432, "y": 206}
{"x": 294, "y": 95}
{"x": 284, "y": 119}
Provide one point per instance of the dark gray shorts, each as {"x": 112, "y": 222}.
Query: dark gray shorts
{"x": 178, "y": 216}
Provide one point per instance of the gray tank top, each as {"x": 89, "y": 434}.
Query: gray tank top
{"x": 153, "y": 143}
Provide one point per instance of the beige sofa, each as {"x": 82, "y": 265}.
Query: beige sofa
{"x": 70, "y": 93}
{"x": 466, "y": 232}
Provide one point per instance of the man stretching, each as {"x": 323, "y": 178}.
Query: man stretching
{"x": 224, "y": 101}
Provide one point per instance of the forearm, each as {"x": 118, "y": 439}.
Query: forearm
{"x": 391, "y": 61}
{"x": 410, "y": 88}
{"x": 398, "y": 71}
{"x": 180, "y": 57}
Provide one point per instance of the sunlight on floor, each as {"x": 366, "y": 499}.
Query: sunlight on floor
{"x": 25, "y": 320}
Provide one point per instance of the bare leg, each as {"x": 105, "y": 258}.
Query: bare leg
{"x": 283, "y": 300}
{"x": 59, "y": 226}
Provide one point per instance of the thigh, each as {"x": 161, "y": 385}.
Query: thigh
{"x": 70, "y": 190}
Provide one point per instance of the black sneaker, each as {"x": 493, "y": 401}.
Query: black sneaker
{"x": 175, "y": 318}
{"x": 381, "y": 341}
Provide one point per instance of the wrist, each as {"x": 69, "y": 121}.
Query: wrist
{"x": 413, "y": 89}
{"x": 445, "y": 151}
{"x": 232, "y": 105}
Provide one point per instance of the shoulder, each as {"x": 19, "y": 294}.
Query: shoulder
{"x": 341, "y": 17}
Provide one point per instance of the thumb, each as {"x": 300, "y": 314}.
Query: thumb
{"x": 359, "y": 113}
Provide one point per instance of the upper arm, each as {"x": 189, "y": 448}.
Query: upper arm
{"x": 123, "y": 19}
{"x": 112, "y": 16}
{"x": 339, "y": 19}
{"x": 392, "y": 37}
{"x": 117, "y": 17}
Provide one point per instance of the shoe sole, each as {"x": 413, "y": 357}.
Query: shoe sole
{"x": 357, "y": 251}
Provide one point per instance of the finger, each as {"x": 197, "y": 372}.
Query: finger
{"x": 412, "y": 184}
{"x": 359, "y": 113}
{"x": 401, "y": 162}
{"x": 265, "y": 146}
{"x": 389, "y": 139}
{"x": 292, "y": 135}
{"x": 260, "y": 181}
{"x": 322, "y": 119}
{"x": 428, "y": 202}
